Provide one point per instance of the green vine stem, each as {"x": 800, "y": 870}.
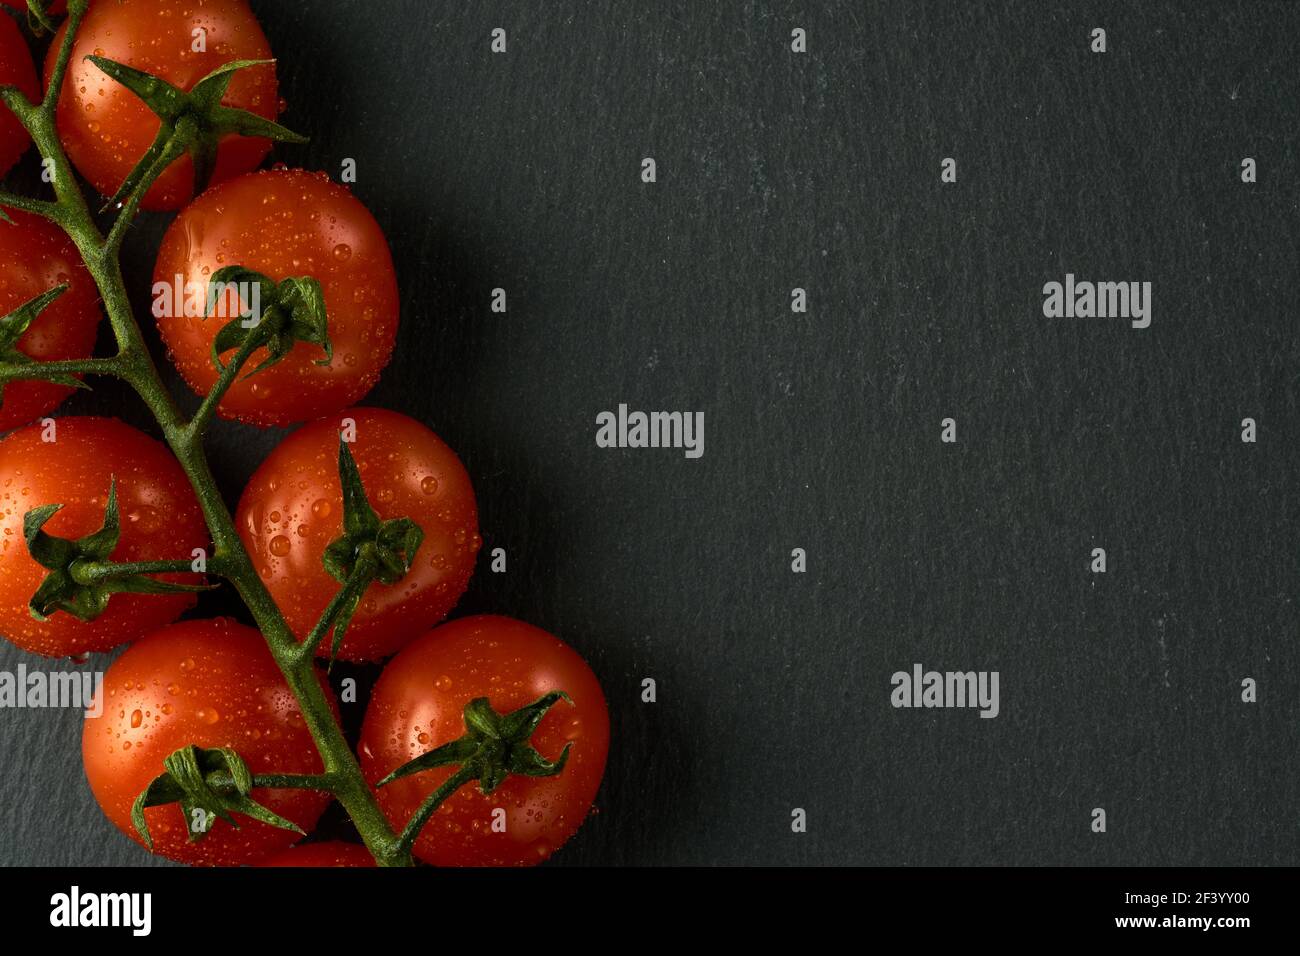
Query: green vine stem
{"x": 134, "y": 365}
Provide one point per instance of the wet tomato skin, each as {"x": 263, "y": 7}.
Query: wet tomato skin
{"x": 159, "y": 514}
{"x": 106, "y": 129}
{"x": 283, "y": 223}
{"x": 211, "y": 683}
{"x": 292, "y": 508}
{"x": 35, "y": 257}
{"x": 417, "y": 705}
{"x": 16, "y": 69}
{"x": 328, "y": 854}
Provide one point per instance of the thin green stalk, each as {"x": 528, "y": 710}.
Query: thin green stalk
{"x": 360, "y": 579}
{"x": 90, "y": 573}
{"x": 436, "y": 799}
{"x": 37, "y": 370}
{"x": 218, "y": 391}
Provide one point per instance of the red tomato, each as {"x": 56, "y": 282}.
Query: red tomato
{"x": 106, "y": 129}
{"x": 292, "y": 509}
{"x": 417, "y": 705}
{"x": 283, "y": 223}
{"x": 16, "y": 69}
{"x": 323, "y": 855}
{"x": 160, "y": 520}
{"x": 36, "y": 256}
{"x": 57, "y": 7}
{"x": 210, "y": 683}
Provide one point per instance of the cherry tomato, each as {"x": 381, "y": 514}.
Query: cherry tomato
{"x": 323, "y": 855}
{"x": 35, "y": 257}
{"x": 106, "y": 129}
{"x": 213, "y": 684}
{"x": 417, "y": 705}
{"x": 16, "y": 69}
{"x": 160, "y": 520}
{"x": 282, "y": 223}
{"x": 292, "y": 509}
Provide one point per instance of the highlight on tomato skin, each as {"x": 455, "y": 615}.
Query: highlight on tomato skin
{"x": 211, "y": 683}
{"x": 36, "y": 256}
{"x": 281, "y": 223}
{"x": 327, "y": 854}
{"x": 105, "y": 129}
{"x": 417, "y": 705}
{"x": 292, "y": 510}
{"x": 159, "y": 513}
{"x": 16, "y": 69}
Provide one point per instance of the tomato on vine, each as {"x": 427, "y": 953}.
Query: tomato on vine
{"x": 36, "y": 258}
{"x": 85, "y": 465}
{"x": 106, "y": 128}
{"x": 16, "y": 69}
{"x": 292, "y": 511}
{"x": 419, "y": 704}
{"x": 279, "y": 224}
{"x": 211, "y": 684}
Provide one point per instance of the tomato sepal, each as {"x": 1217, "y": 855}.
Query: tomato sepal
{"x": 82, "y": 579}
{"x": 14, "y": 362}
{"x": 392, "y": 543}
{"x": 192, "y": 122}
{"x": 495, "y": 746}
{"x": 289, "y": 312}
{"x": 217, "y": 782}
{"x": 370, "y": 549}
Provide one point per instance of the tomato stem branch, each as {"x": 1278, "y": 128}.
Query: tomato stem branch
{"x": 343, "y": 603}
{"x": 12, "y": 372}
{"x": 228, "y": 375}
{"x": 93, "y": 572}
{"x": 40, "y": 207}
{"x": 275, "y": 781}
{"x": 431, "y": 804}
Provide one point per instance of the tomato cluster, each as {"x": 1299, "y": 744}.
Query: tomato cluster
{"x": 212, "y": 686}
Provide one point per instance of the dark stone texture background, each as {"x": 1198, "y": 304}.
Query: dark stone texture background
{"x": 822, "y": 430}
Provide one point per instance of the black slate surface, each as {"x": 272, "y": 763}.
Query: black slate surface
{"x": 821, "y": 171}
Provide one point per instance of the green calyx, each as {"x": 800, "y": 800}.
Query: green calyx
{"x": 370, "y": 549}
{"x": 390, "y": 545}
{"x": 286, "y": 312}
{"x": 12, "y": 328}
{"x": 192, "y": 122}
{"x": 82, "y": 579}
{"x": 494, "y": 747}
{"x": 208, "y": 784}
